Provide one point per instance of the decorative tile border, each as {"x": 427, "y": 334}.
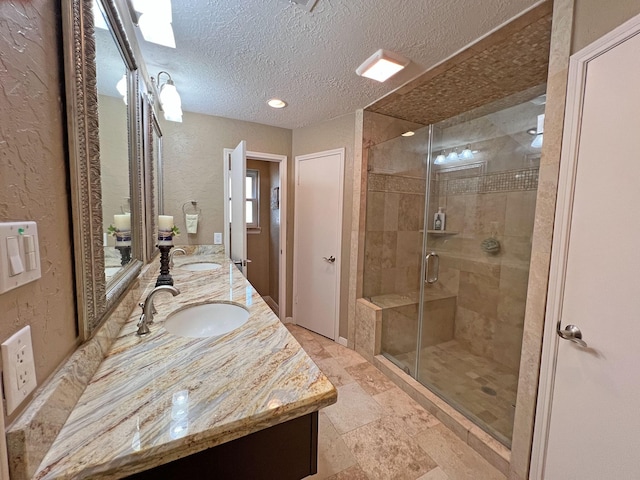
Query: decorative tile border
{"x": 510, "y": 181}
{"x": 384, "y": 182}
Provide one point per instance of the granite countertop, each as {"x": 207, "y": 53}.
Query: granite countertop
{"x": 249, "y": 379}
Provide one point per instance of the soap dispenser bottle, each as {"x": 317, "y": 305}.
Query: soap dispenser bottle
{"x": 439, "y": 220}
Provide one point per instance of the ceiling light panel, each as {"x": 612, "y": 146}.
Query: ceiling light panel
{"x": 382, "y": 65}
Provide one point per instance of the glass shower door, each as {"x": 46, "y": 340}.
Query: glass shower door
{"x": 479, "y": 214}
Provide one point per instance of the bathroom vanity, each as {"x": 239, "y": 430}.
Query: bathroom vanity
{"x": 238, "y": 405}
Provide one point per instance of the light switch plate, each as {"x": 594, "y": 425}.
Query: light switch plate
{"x": 217, "y": 238}
{"x": 19, "y": 370}
{"x": 27, "y": 237}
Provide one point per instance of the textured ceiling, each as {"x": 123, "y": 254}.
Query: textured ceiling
{"x": 231, "y": 57}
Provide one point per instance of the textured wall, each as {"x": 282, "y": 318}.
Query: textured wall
{"x": 193, "y": 165}
{"x": 594, "y": 18}
{"x": 33, "y": 176}
{"x": 336, "y": 133}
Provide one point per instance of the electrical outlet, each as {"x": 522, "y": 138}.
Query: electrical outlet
{"x": 19, "y": 375}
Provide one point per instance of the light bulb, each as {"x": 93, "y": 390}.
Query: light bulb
{"x": 466, "y": 154}
{"x": 453, "y": 156}
{"x": 440, "y": 159}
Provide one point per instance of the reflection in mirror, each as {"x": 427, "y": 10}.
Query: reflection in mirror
{"x": 112, "y": 84}
{"x": 88, "y": 119}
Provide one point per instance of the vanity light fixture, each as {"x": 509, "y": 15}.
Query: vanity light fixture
{"x": 170, "y": 101}
{"x": 453, "y": 156}
{"x": 410, "y": 133}
{"x": 121, "y": 86}
{"x": 440, "y": 159}
{"x": 276, "y": 103}
{"x": 466, "y": 154}
{"x": 382, "y": 65}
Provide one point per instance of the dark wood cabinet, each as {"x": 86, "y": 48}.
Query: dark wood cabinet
{"x": 288, "y": 451}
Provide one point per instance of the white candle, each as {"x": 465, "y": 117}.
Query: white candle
{"x": 165, "y": 222}
{"x": 122, "y": 222}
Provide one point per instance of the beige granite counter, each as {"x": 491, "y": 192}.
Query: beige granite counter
{"x": 249, "y": 379}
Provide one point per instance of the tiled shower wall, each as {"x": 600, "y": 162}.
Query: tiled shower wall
{"x": 393, "y": 243}
{"x": 490, "y": 287}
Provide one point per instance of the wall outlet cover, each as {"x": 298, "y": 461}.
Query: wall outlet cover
{"x": 19, "y": 375}
{"x": 217, "y": 238}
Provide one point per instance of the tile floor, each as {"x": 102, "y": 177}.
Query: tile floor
{"x": 375, "y": 431}
{"x": 482, "y": 387}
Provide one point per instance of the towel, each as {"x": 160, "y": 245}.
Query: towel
{"x": 192, "y": 222}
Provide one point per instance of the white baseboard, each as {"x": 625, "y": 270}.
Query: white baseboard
{"x": 342, "y": 341}
{"x": 288, "y": 320}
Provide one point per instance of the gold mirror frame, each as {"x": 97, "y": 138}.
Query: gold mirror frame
{"x": 93, "y": 298}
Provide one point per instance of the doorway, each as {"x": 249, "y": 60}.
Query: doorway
{"x": 275, "y": 205}
{"x": 263, "y": 229}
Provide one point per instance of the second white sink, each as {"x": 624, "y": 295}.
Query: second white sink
{"x": 206, "y": 320}
{"x": 200, "y": 266}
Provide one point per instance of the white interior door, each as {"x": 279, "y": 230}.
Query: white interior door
{"x": 317, "y": 241}
{"x": 592, "y": 405}
{"x": 238, "y": 205}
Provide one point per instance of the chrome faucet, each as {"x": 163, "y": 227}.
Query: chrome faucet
{"x": 173, "y": 252}
{"x": 147, "y": 308}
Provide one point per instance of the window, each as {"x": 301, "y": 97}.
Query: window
{"x": 252, "y": 187}
{"x": 252, "y": 207}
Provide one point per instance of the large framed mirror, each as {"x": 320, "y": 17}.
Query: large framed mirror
{"x": 104, "y": 123}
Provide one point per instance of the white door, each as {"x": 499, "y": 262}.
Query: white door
{"x": 238, "y": 205}
{"x": 317, "y": 235}
{"x": 591, "y": 426}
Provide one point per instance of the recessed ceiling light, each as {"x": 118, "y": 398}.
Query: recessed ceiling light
{"x": 408, "y": 134}
{"x": 277, "y": 103}
{"x": 382, "y": 65}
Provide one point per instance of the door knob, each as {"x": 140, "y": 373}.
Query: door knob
{"x": 331, "y": 259}
{"x": 573, "y": 334}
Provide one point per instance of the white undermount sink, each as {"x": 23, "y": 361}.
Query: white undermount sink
{"x": 206, "y": 320}
{"x": 200, "y": 266}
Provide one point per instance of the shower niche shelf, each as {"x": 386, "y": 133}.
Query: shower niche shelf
{"x": 441, "y": 232}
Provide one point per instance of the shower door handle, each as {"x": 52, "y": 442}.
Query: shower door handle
{"x": 427, "y": 268}
{"x": 573, "y": 334}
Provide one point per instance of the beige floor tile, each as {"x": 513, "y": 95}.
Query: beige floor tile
{"x": 353, "y": 473}
{"x": 334, "y": 371}
{"x": 333, "y": 454}
{"x": 372, "y": 380}
{"x": 346, "y": 356}
{"x": 408, "y": 414}
{"x": 435, "y": 474}
{"x": 353, "y": 409}
{"x": 315, "y": 350}
{"x": 383, "y": 452}
{"x": 457, "y": 459}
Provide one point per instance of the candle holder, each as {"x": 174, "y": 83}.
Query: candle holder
{"x": 165, "y": 243}
{"x": 123, "y": 245}
{"x": 165, "y": 277}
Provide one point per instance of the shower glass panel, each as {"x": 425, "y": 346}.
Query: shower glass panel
{"x": 452, "y": 293}
{"x": 484, "y": 178}
{"x": 396, "y": 186}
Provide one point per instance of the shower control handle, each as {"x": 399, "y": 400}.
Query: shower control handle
{"x": 427, "y": 267}
{"x": 573, "y": 334}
